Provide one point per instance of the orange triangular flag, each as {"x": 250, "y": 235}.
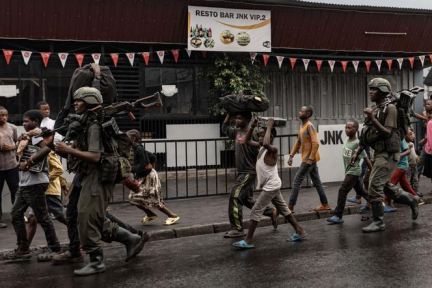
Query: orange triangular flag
{"x": 114, "y": 57}
{"x": 175, "y": 53}
{"x": 265, "y": 57}
{"x": 319, "y": 63}
{"x": 8, "y": 55}
{"x": 45, "y": 57}
{"x": 80, "y": 58}
{"x": 293, "y": 61}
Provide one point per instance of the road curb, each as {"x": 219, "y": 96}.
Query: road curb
{"x": 206, "y": 229}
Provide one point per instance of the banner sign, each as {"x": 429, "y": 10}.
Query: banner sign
{"x": 234, "y": 30}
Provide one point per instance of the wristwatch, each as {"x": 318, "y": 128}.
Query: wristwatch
{"x": 98, "y": 77}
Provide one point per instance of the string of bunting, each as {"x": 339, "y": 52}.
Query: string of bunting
{"x": 96, "y": 56}
{"x": 176, "y": 52}
{"x": 344, "y": 64}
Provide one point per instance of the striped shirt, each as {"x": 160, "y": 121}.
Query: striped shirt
{"x": 307, "y": 140}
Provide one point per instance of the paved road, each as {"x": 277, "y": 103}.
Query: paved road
{"x": 333, "y": 256}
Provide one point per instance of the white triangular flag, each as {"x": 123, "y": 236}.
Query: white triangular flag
{"x": 161, "y": 55}
{"x": 422, "y": 58}
{"x": 306, "y": 63}
{"x": 332, "y": 64}
{"x": 63, "y": 58}
{"x": 378, "y": 62}
{"x": 400, "y": 61}
{"x": 356, "y": 64}
{"x": 26, "y": 55}
{"x": 96, "y": 57}
{"x": 188, "y": 51}
{"x": 253, "y": 56}
{"x": 131, "y": 57}
{"x": 280, "y": 60}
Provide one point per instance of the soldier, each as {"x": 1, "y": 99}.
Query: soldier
{"x": 381, "y": 133}
{"x": 96, "y": 189}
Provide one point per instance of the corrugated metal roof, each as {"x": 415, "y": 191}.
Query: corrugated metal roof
{"x": 165, "y": 21}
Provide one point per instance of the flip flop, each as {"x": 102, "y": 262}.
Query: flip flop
{"x": 242, "y": 245}
{"x": 234, "y": 234}
{"x": 297, "y": 237}
{"x": 171, "y": 221}
{"x": 147, "y": 219}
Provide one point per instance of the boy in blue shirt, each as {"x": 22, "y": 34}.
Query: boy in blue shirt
{"x": 352, "y": 172}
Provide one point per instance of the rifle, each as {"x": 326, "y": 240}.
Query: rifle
{"x": 74, "y": 124}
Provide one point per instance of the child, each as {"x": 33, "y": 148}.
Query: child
{"x": 269, "y": 182}
{"x": 413, "y": 159}
{"x": 245, "y": 160}
{"x": 31, "y": 194}
{"x": 308, "y": 141}
{"x": 149, "y": 193}
{"x": 352, "y": 172}
{"x": 399, "y": 175}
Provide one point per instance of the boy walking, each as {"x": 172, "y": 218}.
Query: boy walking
{"x": 270, "y": 184}
{"x": 31, "y": 194}
{"x": 308, "y": 141}
{"x": 352, "y": 172}
{"x": 245, "y": 159}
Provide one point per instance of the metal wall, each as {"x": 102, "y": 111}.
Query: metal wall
{"x": 335, "y": 97}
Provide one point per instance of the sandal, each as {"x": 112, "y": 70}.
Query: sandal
{"x": 147, "y": 219}
{"x": 297, "y": 237}
{"x": 171, "y": 221}
{"x": 242, "y": 245}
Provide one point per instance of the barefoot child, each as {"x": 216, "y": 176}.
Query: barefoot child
{"x": 270, "y": 184}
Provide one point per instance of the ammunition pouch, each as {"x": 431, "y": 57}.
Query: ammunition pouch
{"x": 114, "y": 169}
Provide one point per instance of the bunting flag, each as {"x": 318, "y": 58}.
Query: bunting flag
{"x": 131, "y": 57}
{"x": 175, "y": 53}
{"x": 422, "y": 58}
{"x": 344, "y": 65}
{"x": 306, "y": 63}
{"x": 319, "y": 63}
{"x": 204, "y": 53}
{"x": 63, "y": 58}
{"x": 400, "y": 61}
{"x": 280, "y": 60}
{"x": 389, "y": 63}
{"x": 26, "y": 55}
{"x": 378, "y": 62}
{"x": 96, "y": 57}
{"x": 368, "y": 64}
{"x": 332, "y": 64}
{"x": 253, "y": 56}
{"x": 80, "y": 58}
{"x": 189, "y": 52}
{"x": 356, "y": 64}
{"x": 114, "y": 57}
{"x": 293, "y": 62}
{"x": 411, "y": 60}
{"x": 265, "y": 57}
{"x": 45, "y": 57}
{"x": 161, "y": 55}
{"x": 146, "y": 56}
{"x": 8, "y": 55}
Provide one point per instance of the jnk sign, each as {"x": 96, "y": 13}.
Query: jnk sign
{"x": 332, "y": 139}
{"x": 222, "y": 29}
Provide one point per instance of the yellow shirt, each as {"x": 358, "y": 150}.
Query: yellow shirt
{"x": 308, "y": 141}
{"x": 55, "y": 171}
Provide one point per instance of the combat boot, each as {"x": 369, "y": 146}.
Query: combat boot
{"x": 378, "y": 219}
{"x": 95, "y": 266}
{"x": 133, "y": 242}
{"x": 410, "y": 200}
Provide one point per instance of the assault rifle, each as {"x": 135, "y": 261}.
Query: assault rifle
{"x": 74, "y": 124}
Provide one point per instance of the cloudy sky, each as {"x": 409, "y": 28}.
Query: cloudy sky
{"x": 420, "y": 4}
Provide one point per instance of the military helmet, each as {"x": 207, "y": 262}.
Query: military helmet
{"x": 381, "y": 84}
{"x": 89, "y": 95}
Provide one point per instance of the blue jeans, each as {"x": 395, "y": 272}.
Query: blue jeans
{"x": 303, "y": 171}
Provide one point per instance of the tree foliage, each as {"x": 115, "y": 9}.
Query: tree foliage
{"x": 232, "y": 74}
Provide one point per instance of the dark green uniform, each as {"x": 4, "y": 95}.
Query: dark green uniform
{"x": 93, "y": 226}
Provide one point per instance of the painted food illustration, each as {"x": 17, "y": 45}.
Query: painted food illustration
{"x": 226, "y": 37}
{"x": 243, "y": 39}
{"x": 209, "y": 43}
{"x": 196, "y": 42}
